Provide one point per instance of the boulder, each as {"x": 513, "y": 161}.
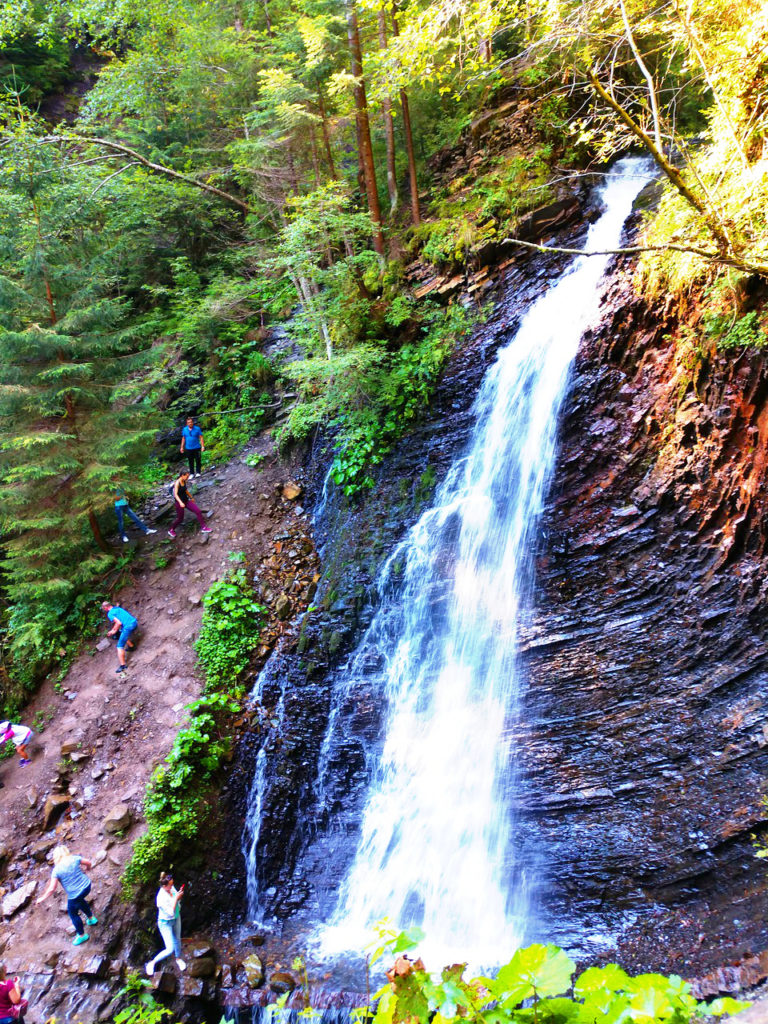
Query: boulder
{"x": 103, "y": 644}
{"x": 191, "y": 988}
{"x": 55, "y": 806}
{"x": 283, "y": 607}
{"x": 281, "y": 982}
{"x": 194, "y": 600}
{"x": 15, "y": 901}
{"x": 78, "y": 756}
{"x": 164, "y": 981}
{"x": 32, "y": 797}
{"x": 95, "y": 967}
{"x": 42, "y": 848}
{"x": 254, "y": 970}
{"x": 118, "y": 819}
{"x": 198, "y": 948}
{"x": 203, "y": 967}
{"x": 292, "y": 490}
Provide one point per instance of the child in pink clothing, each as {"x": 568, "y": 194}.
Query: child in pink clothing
{"x": 20, "y": 735}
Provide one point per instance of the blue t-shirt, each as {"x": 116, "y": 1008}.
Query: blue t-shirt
{"x": 192, "y": 437}
{"x": 118, "y": 614}
{"x": 71, "y": 876}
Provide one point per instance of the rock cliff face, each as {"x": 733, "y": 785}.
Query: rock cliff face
{"x": 646, "y": 726}
{"x": 643, "y": 739}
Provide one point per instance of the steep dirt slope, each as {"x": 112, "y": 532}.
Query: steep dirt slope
{"x": 120, "y": 726}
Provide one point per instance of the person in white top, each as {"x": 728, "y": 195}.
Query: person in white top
{"x": 21, "y": 735}
{"x": 168, "y": 922}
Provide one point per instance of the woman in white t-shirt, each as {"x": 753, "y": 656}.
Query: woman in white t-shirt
{"x": 21, "y": 735}
{"x": 168, "y": 921}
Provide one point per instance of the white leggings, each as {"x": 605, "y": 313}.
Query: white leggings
{"x": 171, "y": 933}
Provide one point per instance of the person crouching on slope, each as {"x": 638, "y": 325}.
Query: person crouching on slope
{"x": 124, "y": 624}
{"x": 20, "y": 735}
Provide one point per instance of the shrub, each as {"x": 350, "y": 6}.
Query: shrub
{"x": 175, "y": 805}
{"x": 232, "y": 621}
{"x": 537, "y": 985}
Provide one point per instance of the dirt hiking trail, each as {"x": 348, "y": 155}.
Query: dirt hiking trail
{"x": 103, "y": 732}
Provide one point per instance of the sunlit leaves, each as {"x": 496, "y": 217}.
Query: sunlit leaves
{"x": 535, "y": 987}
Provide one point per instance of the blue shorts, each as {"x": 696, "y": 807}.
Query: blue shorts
{"x": 125, "y": 634}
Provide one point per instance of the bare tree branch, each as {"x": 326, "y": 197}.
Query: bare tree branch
{"x": 168, "y": 172}
{"x": 636, "y": 250}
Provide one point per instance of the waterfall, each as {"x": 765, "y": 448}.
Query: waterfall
{"x": 436, "y": 844}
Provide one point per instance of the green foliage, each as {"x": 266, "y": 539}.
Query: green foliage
{"x": 532, "y": 989}
{"x": 402, "y": 388}
{"x": 740, "y": 332}
{"x": 177, "y": 802}
{"x": 176, "y": 806}
{"x": 230, "y": 629}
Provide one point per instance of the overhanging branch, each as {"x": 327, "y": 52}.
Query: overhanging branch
{"x": 636, "y": 250}
{"x": 168, "y": 172}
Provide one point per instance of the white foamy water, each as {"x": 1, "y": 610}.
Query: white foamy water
{"x": 435, "y": 845}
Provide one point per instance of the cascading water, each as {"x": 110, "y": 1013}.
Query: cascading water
{"x": 436, "y": 839}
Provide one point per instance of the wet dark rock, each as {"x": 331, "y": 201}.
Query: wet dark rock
{"x": 201, "y": 967}
{"x": 198, "y": 948}
{"x": 191, "y": 987}
{"x": 96, "y": 966}
{"x": 254, "y": 970}
{"x": 281, "y": 982}
{"x": 164, "y": 981}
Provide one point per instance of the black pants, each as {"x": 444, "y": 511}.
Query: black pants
{"x": 194, "y": 460}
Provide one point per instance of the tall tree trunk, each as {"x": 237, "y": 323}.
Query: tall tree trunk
{"x": 389, "y": 129}
{"x": 96, "y": 531}
{"x": 326, "y": 136}
{"x": 315, "y": 160}
{"x": 414, "y": 184}
{"x": 364, "y": 129}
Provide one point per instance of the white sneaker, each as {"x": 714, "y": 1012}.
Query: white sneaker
{"x": 182, "y": 964}
{"x": 125, "y": 540}
{"x": 151, "y": 531}
{"x": 150, "y": 968}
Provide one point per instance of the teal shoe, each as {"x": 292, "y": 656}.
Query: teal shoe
{"x": 80, "y": 939}
{"x": 92, "y": 920}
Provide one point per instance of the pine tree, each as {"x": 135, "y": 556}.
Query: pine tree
{"x": 70, "y": 419}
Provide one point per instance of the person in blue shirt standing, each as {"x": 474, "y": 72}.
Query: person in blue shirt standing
{"x": 193, "y": 445}
{"x": 124, "y": 624}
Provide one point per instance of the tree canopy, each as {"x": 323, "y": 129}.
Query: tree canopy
{"x": 225, "y": 166}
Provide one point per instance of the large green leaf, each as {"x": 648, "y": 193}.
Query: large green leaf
{"x": 536, "y": 970}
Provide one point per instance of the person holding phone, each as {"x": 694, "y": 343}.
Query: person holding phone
{"x": 168, "y": 922}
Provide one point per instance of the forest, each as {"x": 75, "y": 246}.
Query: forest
{"x": 280, "y": 217}
{"x": 229, "y": 166}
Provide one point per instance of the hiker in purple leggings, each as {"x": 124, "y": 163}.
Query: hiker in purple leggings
{"x": 183, "y": 502}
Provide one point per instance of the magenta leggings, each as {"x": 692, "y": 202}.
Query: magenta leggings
{"x": 180, "y": 513}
